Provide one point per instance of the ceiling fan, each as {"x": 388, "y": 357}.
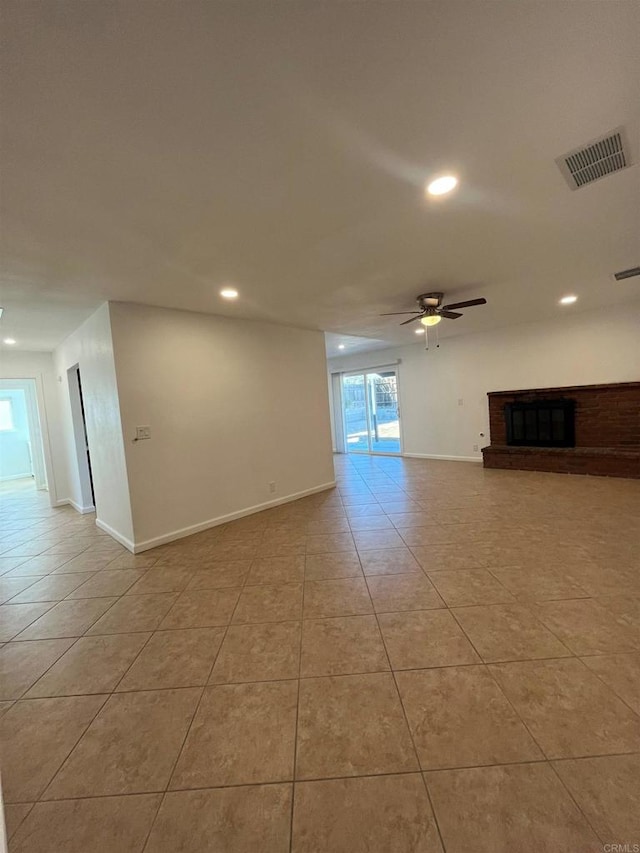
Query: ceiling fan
{"x": 432, "y": 310}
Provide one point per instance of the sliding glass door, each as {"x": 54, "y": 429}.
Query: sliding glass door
{"x": 370, "y": 412}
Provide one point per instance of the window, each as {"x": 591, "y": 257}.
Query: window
{"x": 6, "y": 416}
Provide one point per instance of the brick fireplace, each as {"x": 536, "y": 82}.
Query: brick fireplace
{"x": 605, "y": 430}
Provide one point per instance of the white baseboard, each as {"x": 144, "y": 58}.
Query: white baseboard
{"x": 26, "y": 476}
{"x": 128, "y": 544}
{"x": 213, "y": 522}
{"x": 83, "y": 510}
{"x": 443, "y": 458}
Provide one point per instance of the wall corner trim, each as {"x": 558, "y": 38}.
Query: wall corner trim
{"x": 83, "y": 510}
{"x": 146, "y": 545}
{"x": 128, "y": 544}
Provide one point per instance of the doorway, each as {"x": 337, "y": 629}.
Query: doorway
{"x": 81, "y": 439}
{"x": 370, "y": 412}
{"x": 21, "y": 451}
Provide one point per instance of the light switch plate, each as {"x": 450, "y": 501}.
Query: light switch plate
{"x": 142, "y": 433}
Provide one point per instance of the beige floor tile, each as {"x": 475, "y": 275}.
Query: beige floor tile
{"x": 269, "y": 603}
{"x": 339, "y": 597}
{"x": 502, "y": 632}
{"x": 67, "y": 619}
{"x": 351, "y": 725}
{"x": 607, "y": 791}
{"x": 403, "y": 592}
{"x": 375, "y": 814}
{"x": 416, "y": 639}
{"x": 85, "y": 563}
{"x": 14, "y": 814}
{"x": 621, "y": 673}
{"x": 378, "y": 540}
{"x": 339, "y": 646}
{"x": 52, "y": 588}
{"x": 16, "y": 617}
{"x": 21, "y": 664}
{"x": 435, "y": 558}
{"x": 233, "y": 820}
{"x": 40, "y": 565}
{"x": 242, "y": 734}
{"x": 277, "y": 570}
{"x": 36, "y": 735}
{"x": 180, "y": 658}
{"x": 329, "y": 543}
{"x": 106, "y": 583}
{"x": 98, "y": 824}
{"x": 12, "y": 587}
{"x": 159, "y": 579}
{"x": 586, "y": 627}
{"x": 135, "y": 613}
{"x": 133, "y": 561}
{"x": 203, "y": 608}
{"x": 233, "y": 574}
{"x": 521, "y": 808}
{"x": 539, "y": 584}
{"x": 370, "y": 522}
{"x": 459, "y": 717}
{"x": 567, "y": 709}
{"x": 327, "y": 566}
{"x": 269, "y": 651}
{"x": 92, "y": 665}
{"x": 389, "y": 561}
{"x": 227, "y": 551}
{"x": 465, "y": 587}
{"x": 131, "y": 746}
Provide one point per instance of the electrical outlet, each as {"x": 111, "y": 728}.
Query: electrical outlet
{"x": 475, "y": 447}
{"x": 460, "y": 401}
{"x": 143, "y": 433}
{"x": 272, "y": 487}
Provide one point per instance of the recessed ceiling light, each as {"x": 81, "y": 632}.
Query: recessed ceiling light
{"x": 442, "y": 185}
{"x": 568, "y": 300}
{"x": 340, "y": 346}
{"x": 10, "y": 341}
{"x": 419, "y": 331}
{"x": 229, "y": 293}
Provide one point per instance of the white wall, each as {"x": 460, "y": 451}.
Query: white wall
{"x": 577, "y": 349}
{"x": 90, "y": 347}
{"x": 40, "y": 366}
{"x": 232, "y": 406}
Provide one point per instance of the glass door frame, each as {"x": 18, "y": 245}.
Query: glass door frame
{"x": 365, "y": 373}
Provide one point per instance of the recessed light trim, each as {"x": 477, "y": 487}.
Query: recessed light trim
{"x": 569, "y": 299}
{"x": 340, "y": 346}
{"x": 419, "y": 331}
{"x": 229, "y": 293}
{"x": 442, "y": 185}
{"x": 10, "y": 341}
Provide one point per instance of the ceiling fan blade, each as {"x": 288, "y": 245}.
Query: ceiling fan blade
{"x": 411, "y": 320}
{"x": 466, "y": 304}
{"x": 397, "y": 313}
{"x": 450, "y": 315}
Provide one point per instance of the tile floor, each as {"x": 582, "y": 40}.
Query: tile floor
{"x": 431, "y": 657}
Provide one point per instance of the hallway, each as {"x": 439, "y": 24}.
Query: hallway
{"x": 431, "y": 656}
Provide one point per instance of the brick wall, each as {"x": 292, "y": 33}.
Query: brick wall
{"x": 607, "y": 420}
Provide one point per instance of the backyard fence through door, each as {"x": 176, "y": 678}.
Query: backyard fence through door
{"x": 370, "y": 412}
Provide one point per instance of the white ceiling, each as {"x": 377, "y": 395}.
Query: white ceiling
{"x": 153, "y": 152}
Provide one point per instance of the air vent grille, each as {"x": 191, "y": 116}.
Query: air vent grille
{"x": 600, "y": 158}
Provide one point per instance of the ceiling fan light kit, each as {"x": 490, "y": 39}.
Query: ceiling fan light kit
{"x": 431, "y": 310}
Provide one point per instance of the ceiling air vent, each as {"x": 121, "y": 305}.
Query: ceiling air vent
{"x": 630, "y": 273}
{"x": 600, "y": 158}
